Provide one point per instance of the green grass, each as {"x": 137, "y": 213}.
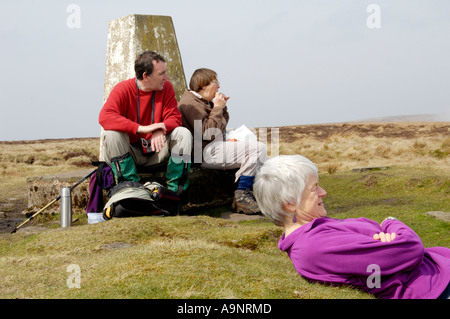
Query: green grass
{"x": 179, "y": 257}
{"x": 209, "y": 257}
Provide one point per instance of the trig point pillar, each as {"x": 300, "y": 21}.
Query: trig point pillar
{"x": 131, "y": 35}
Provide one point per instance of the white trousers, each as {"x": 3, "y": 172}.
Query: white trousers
{"x": 248, "y": 156}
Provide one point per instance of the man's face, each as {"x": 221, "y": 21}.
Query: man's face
{"x": 155, "y": 81}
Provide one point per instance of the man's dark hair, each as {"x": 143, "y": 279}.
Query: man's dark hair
{"x": 144, "y": 63}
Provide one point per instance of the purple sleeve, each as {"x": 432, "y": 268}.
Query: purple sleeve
{"x": 346, "y": 251}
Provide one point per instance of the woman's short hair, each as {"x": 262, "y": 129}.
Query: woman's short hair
{"x": 201, "y": 78}
{"x": 144, "y": 63}
{"x": 282, "y": 180}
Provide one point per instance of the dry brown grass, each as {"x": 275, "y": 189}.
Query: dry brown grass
{"x": 19, "y": 160}
{"x": 333, "y": 147}
{"x": 344, "y": 146}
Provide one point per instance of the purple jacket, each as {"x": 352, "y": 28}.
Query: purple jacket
{"x": 343, "y": 251}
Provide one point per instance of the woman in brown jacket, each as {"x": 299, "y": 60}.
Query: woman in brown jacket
{"x": 204, "y": 112}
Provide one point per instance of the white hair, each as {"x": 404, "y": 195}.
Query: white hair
{"x": 282, "y": 180}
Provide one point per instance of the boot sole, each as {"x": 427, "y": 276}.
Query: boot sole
{"x": 237, "y": 209}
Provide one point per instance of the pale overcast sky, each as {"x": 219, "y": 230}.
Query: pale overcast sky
{"x": 284, "y": 62}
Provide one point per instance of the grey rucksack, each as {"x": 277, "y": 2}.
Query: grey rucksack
{"x": 132, "y": 199}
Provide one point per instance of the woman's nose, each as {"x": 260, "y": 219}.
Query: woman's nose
{"x": 322, "y": 192}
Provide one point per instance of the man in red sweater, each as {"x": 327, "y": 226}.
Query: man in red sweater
{"x": 142, "y": 125}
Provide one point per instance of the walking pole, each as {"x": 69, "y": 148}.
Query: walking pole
{"x": 52, "y": 202}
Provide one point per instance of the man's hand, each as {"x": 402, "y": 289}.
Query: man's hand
{"x": 152, "y": 128}
{"x": 158, "y": 140}
{"x": 385, "y": 237}
{"x": 158, "y": 131}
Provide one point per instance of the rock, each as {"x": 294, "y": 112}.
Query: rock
{"x": 43, "y": 189}
{"x": 207, "y": 187}
{"x": 3, "y": 215}
{"x": 241, "y": 217}
{"x": 32, "y": 230}
{"x": 440, "y": 215}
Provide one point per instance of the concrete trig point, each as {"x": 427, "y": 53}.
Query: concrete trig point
{"x": 131, "y": 35}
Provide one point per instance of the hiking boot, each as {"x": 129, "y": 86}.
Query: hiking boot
{"x": 244, "y": 202}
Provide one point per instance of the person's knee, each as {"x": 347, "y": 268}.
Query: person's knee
{"x": 257, "y": 151}
{"x": 183, "y": 134}
{"x": 113, "y": 138}
{"x": 262, "y": 152}
{"x": 114, "y": 144}
{"x": 183, "y": 137}
{"x": 182, "y": 148}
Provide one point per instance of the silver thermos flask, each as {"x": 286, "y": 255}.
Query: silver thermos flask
{"x": 66, "y": 207}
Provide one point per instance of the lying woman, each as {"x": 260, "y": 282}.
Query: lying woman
{"x": 387, "y": 260}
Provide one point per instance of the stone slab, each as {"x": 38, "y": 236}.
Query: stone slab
{"x": 43, "y": 189}
{"x": 241, "y": 217}
{"x": 440, "y": 215}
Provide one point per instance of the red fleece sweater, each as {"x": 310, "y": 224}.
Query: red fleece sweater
{"x": 120, "y": 110}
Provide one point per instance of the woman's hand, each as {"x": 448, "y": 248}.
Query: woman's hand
{"x": 220, "y": 100}
{"x": 385, "y": 237}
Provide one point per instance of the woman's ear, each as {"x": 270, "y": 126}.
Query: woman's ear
{"x": 289, "y": 207}
{"x": 202, "y": 89}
